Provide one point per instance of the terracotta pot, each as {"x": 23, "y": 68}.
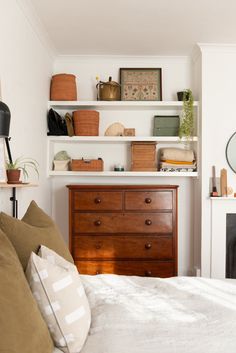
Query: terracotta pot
{"x": 13, "y": 176}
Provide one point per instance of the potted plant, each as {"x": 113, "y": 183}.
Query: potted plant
{"x": 14, "y": 169}
{"x": 187, "y": 120}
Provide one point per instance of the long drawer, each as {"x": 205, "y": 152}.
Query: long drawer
{"x": 123, "y": 247}
{"x": 97, "y": 200}
{"x": 148, "y": 200}
{"x": 128, "y": 268}
{"x": 123, "y": 223}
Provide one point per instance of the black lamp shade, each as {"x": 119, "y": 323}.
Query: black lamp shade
{"x": 5, "y": 117}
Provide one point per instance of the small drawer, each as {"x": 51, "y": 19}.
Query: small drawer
{"x": 96, "y": 200}
{"x": 123, "y": 247}
{"x": 123, "y": 223}
{"x": 128, "y": 268}
{"x": 148, "y": 200}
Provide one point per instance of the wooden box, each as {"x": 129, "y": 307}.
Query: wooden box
{"x": 87, "y": 165}
{"x": 143, "y": 156}
{"x": 166, "y": 125}
{"x": 86, "y": 122}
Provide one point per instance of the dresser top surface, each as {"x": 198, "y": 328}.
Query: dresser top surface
{"x": 122, "y": 187}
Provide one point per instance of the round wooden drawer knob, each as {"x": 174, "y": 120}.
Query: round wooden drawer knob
{"x": 97, "y": 272}
{"x": 97, "y": 200}
{"x": 148, "y": 222}
{"x": 97, "y": 223}
{"x": 148, "y": 273}
{"x": 148, "y": 200}
{"x": 148, "y": 246}
{"x": 98, "y": 246}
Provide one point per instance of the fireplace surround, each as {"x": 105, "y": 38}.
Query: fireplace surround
{"x": 223, "y": 237}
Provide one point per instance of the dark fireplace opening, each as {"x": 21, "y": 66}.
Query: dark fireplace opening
{"x": 230, "y": 271}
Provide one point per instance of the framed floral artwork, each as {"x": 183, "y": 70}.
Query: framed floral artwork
{"x": 141, "y": 84}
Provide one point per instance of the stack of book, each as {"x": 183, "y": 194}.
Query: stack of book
{"x": 177, "y": 160}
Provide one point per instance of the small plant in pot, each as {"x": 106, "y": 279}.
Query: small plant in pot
{"x": 187, "y": 120}
{"x": 23, "y": 165}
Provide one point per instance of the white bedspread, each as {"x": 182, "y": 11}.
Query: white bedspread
{"x": 151, "y": 315}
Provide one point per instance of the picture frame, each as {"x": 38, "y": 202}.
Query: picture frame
{"x": 141, "y": 84}
{"x": 3, "y": 175}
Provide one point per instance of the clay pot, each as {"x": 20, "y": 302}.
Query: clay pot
{"x": 13, "y": 176}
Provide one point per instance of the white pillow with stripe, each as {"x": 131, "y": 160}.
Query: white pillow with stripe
{"x": 58, "y": 290}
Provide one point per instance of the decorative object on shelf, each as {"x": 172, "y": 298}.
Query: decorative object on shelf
{"x": 69, "y": 124}
{"x": 108, "y": 91}
{"x": 61, "y": 161}
{"x": 87, "y": 165}
{"x": 177, "y": 160}
{"x": 230, "y": 191}
{"x": 56, "y": 124}
{"x": 214, "y": 192}
{"x": 129, "y": 132}
{"x": 230, "y": 152}
{"x": 143, "y": 156}
{"x": 86, "y": 122}
{"x": 187, "y": 118}
{"x": 166, "y": 125}
{"x": 180, "y": 95}
{"x": 223, "y": 182}
{"x": 20, "y": 164}
{"x": 63, "y": 88}
{"x": 119, "y": 168}
{"x": 141, "y": 84}
{"x": 115, "y": 129}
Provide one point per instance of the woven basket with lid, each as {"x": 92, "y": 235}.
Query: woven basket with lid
{"x": 63, "y": 88}
{"x": 86, "y": 122}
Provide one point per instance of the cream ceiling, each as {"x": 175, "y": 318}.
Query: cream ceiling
{"x": 136, "y": 27}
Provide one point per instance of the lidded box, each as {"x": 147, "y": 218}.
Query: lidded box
{"x": 87, "y": 165}
{"x": 63, "y": 88}
{"x": 143, "y": 156}
{"x": 166, "y": 125}
{"x": 86, "y": 122}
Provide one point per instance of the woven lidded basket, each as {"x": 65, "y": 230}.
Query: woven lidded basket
{"x": 63, "y": 88}
{"x": 87, "y": 165}
{"x": 86, "y": 122}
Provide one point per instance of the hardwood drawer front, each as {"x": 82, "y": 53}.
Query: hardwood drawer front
{"x": 128, "y": 268}
{"x": 123, "y": 223}
{"x": 148, "y": 200}
{"x": 123, "y": 247}
{"x": 96, "y": 200}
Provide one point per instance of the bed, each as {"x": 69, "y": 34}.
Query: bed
{"x": 174, "y": 315}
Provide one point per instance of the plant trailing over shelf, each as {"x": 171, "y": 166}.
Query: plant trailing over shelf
{"x": 14, "y": 169}
{"x": 187, "y": 120}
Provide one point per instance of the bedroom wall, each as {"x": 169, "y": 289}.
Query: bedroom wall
{"x": 26, "y": 63}
{"x": 218, "y": 124}
{"x": 177, "y": 75}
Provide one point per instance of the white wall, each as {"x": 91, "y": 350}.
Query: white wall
{"x": 218, "y": 124}
{"x": 25, "y": 71}
{"x": 176, "y": 76}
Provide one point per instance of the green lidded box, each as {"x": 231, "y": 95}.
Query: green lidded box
{"x": 166, "y": 125}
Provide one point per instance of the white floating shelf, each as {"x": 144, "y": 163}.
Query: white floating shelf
{"x": 225, "y": 198}
{"x": 119, "y": 139}
{"x": 117, "y": 104}
{"x": 123, "y": 174}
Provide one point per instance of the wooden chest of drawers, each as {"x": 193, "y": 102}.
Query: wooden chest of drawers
{"x": 129, "y": 230}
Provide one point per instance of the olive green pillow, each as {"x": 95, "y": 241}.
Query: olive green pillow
{"x": 36, "y": 228}
{"x": 21, "y": 323}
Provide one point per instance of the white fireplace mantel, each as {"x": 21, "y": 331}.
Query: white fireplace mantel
{"x": 220, "y": 207}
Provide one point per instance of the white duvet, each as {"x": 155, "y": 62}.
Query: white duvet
{"x": 152, "y": 315}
